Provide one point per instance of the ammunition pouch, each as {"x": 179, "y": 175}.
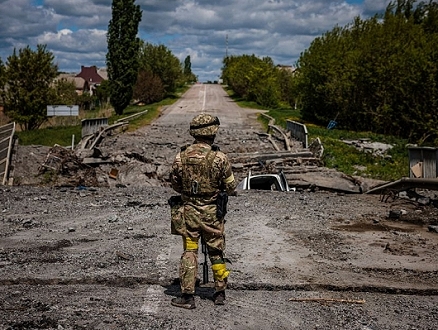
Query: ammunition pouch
{"x": 177, "y": 223}
{"x": 221, "y": 203}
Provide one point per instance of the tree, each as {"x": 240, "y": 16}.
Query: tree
{"x": 160, "y": 61}
{"x": 2, "y": 80}
{"x": 188, "y": 74}
{"x": 103, "y": 93}
{"x": 65, "y": 92}
{"x": 122, "y": 57}
{"x": 379, "y": 74}
{"x": 187, "y": 66}
{"x": 149, "y": 88}
{"x": 2, "y": 73}
{"x": 287, "y": 86}
{"x": 253, "y": 79}
{"x": 27, "y": 91}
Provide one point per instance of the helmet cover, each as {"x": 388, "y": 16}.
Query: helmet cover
{"x": 204, "y": 125}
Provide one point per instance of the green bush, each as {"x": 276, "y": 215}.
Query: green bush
{"x": 346, "y": 158}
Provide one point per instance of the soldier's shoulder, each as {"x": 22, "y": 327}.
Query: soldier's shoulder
{"x": 221, "y": 156}
{"x": 184, "y": 147}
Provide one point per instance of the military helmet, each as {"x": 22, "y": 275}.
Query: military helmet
{"x": 204, "y": 125}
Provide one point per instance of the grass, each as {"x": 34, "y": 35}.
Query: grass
{"x": 49, "y": 136}
{"x": 337, "y": 154}
{"x": 60, "y": 130}
{"x": 341, "y": 156}
{"x": 347, "y": 158}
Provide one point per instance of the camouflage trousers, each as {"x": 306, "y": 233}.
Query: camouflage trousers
{"x": 202, "y": 221}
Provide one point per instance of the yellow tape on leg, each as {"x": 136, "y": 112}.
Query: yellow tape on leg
{"x": 190, "y": 244}
{"x": 220, "y": 271}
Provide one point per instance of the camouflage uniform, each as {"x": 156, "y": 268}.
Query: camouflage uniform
{"x": 199, "y": 172}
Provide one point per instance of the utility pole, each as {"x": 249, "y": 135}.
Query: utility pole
{"x": 226, "y": 46}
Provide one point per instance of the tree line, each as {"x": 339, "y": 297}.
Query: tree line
{"x": 259, "y": 80}
{"x": 378, "y": 74}
{"x": 137, "y": 70}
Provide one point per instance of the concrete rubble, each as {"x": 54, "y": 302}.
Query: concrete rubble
{"x": 105, "y": 165}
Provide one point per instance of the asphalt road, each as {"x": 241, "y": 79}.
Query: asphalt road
{"x": 103, "y": 258}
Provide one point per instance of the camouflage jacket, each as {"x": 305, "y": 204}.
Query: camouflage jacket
{"x": 199, "y": 172}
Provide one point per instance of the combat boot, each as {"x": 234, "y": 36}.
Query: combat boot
{"x": 219, "y": 298}
{"x": 187, "y": 301}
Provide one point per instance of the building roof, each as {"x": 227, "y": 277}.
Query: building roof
{"x": 289, "y": 68}
{"x": 79, "y": 82}
{"x": 89, "y": 73}
{"x": 103, "y": 72}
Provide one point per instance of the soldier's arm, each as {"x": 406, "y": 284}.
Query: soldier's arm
{"x": 176, "y": 174}
{"x": 228, "y": 181}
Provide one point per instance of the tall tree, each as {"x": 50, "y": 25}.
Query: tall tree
{"x": 28, "y": 86}
{"x": 188, "y": 74}
{"x": 122, "y": 56}
{"x": 2, "y": 79}
{"x": 187, "y": 66}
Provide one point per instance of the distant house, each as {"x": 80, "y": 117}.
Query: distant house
{"x": 103, "y": 72}
{"x": 288, "y": 68}
{"x": 81, "y": 85}
{"x": 92, "y": 76}
{"x": 85, "y": 81}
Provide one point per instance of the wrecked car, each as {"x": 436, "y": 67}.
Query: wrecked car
{"x": 275, "y": 182}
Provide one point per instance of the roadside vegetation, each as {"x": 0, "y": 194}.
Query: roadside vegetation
{"x": 376, "y": 75}
{"x": 342, "y": 156}
{"x": 61, "y": 133}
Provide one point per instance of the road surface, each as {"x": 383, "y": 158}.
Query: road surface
{"x": 103, "y": 258}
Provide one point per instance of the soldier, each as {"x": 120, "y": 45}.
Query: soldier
{"x": 202, "y": 174}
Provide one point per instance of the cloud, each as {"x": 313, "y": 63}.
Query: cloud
{"x": 75, "y": 30}
{"x": 372, "y": 7}
{"x": 20, "y": 20}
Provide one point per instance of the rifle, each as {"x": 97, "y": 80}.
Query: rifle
{"x": 205, "y": 263}
{"x": 221, "y": 204}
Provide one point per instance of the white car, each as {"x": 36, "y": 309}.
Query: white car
{"x": 275, "y": 182}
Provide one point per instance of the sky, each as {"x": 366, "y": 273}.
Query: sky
{"x": 206, "y": 30}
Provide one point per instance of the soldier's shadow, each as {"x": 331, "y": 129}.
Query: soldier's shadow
{"x": 203, "y": 291}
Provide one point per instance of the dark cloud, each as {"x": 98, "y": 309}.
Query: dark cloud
{"x": 19, "y": 20}
{"x": 79, "y": 8}
{"x": 75, "y": 30}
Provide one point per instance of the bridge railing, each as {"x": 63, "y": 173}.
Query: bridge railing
{"x": 6, "y": 139}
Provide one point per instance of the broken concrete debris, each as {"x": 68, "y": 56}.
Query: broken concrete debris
{"x": 62, "y": 167}
{"x": 148, "y": 163}
{"x": 102, "y": 166}
{"x": 375, "y": 148}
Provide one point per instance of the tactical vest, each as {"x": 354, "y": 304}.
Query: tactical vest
{"x": 198, "y": 179}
